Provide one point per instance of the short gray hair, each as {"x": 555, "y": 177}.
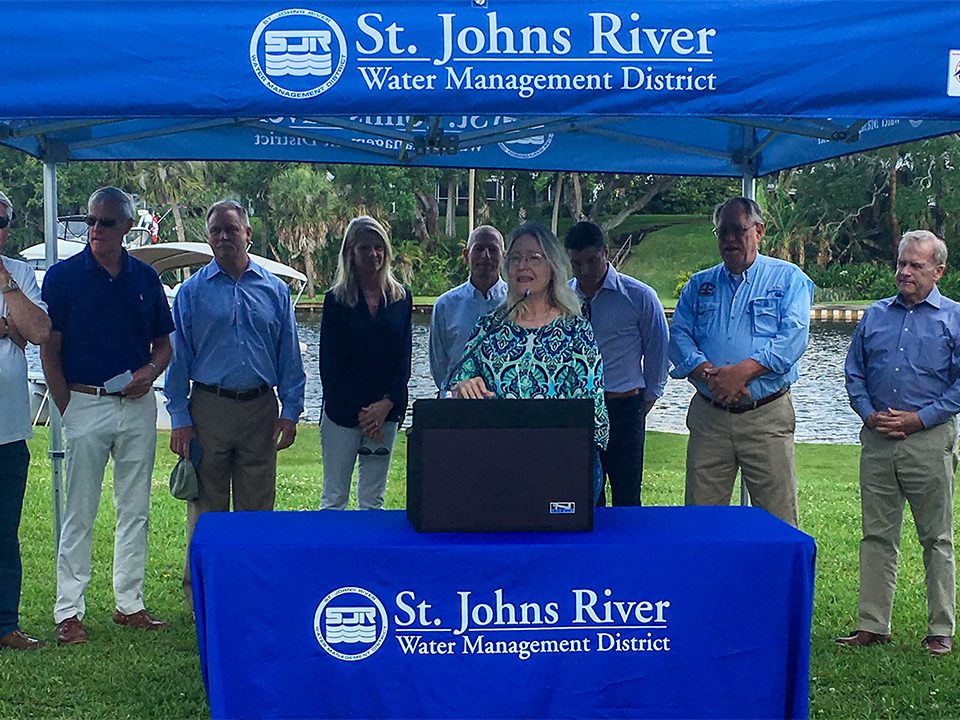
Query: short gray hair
{"x": 482, "y": 230}
{"x": 6, "y": 202}
{"x": 915, "y": 237}
{"x": 114, "y": 194}
{"x": 748, "y": 206}
{"x": 229, "y": 205}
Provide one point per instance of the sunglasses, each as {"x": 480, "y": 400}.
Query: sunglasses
{"x": 93, "y": 221}
{"x": 4, "y": 221}
{"x": 380, "y": 451}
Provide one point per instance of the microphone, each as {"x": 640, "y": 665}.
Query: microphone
{"x": 445, "y": 391}
{"x": 526, "y": 294}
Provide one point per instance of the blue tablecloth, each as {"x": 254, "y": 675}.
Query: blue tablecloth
{"x": 660, "y": 612}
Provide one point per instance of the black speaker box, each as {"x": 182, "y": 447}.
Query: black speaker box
{"x": 500, "y": 465}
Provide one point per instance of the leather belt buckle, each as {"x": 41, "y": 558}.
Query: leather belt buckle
{"x": 621, "y": 395}
{"x": 740, "y": 409}
{"x": 237, "y": 395}
{"x": 94, "y": 390}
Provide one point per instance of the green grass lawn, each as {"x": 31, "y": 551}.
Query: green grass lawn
{"x": 661, "y": 255}
{"x": 123, "y": 673}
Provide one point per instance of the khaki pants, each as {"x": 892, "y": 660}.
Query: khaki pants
{"x": 96, "y": 430}
{"x": 758, "y": 442}
{"x": 239, "y": 455}
{"x": 919, "y": 470}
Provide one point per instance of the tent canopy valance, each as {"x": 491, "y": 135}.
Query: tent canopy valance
{"x": 709, "y": 87}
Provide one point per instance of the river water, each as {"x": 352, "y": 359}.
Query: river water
{"x": 823, "y": 415}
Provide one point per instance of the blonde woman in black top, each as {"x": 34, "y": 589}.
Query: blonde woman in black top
{"x": 365, "y": 349}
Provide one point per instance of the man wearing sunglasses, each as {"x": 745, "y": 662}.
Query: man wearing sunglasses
{"x": 236, "y": 340}
{"x": 22, "y": 320}
{"x": 109, "y": 343}
{"x": 738, "y": 331}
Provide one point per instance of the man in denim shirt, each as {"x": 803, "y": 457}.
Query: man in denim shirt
{"x": 903, "y": 380}
{"x": 738, "y": 330}
{"x": 455, "y": 313}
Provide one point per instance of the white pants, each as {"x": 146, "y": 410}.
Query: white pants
{"x": 340, "y": 449}
{"x": 94, "y": 430}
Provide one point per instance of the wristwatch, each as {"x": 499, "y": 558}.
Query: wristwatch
{"x": 10, "y": 286}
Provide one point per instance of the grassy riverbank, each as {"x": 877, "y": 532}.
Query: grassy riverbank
{"x": 687, "y": 242}
{"x": 124, "y": 674}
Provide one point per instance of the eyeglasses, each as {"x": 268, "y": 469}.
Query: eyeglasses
{"x": 736, "y": 230}
{"x": 533, "y": 259}
{"x": 93, "y": 221}
{"x": 4, "y": 221}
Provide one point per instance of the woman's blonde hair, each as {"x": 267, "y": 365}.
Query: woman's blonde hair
{"x": 559, "y": 294}
{"x": 345, "y": 286}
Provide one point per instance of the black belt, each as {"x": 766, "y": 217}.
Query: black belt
{"x": 737, "y": 409}
{"x": 621, "y": 395}
{"x": 93, "y": 390}
{"x": 241, "y": 395}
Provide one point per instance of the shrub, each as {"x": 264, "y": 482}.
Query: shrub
{"x": 949, "y": 285}
{"x": 855, "y": 281}
{"x": 683, "y": 277}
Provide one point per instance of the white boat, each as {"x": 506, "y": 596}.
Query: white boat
{"x": 173, "y": 258}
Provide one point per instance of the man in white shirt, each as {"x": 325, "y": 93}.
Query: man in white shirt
{"x": 22, "y": 319}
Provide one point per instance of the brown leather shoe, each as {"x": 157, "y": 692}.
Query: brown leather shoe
{"x": 18, "y": 640}
{"x": 71, "y": 632}
{"x": 142, "y": 620}
{"x": 862, "y": 638}
{"x": 938, "y": 644}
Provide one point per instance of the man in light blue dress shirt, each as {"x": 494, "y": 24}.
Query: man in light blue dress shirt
{"x": 631, "y": 331}
{"x": 235, "y": 341}
{"x": 455, "y": 313}
{"x": 738, "y": 331}
{"x": 903, "y": 380}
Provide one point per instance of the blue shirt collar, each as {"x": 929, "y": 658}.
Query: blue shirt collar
{"x": 611, "y": 281}
{"x": 934, "y": 298}
{"x": 90, "y": 262}
{"x": 214, "y": 269}
{"x": 476, "y": 291}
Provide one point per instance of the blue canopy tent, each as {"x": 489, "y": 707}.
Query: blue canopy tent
{"x": 709, "y": 87}
{"x": 737, "y": 88}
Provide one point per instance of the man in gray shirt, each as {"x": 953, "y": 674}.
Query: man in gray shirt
{"x": 456, "y": 311}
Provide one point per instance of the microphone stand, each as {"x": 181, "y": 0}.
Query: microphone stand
{"x": 445, "y": 391}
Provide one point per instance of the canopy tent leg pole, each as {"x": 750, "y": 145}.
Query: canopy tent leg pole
{"x": 471, "y": 198}
{"x": 56, "y": 436}
{"x": 748, "y": 188}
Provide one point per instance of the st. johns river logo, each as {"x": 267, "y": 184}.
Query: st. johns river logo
{"x": 953, "y": 74}
{"x": 350, "y": 623}
{"x": 525, "y": 148}
{"x": 298, "y": 53}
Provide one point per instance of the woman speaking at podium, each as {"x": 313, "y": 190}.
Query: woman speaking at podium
{"x": 536, "y": 344}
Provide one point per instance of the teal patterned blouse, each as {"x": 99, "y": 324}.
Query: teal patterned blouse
{"x": 557, "y": 360}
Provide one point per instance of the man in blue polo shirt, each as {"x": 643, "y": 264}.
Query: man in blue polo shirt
{"x": 455, "y": 313}
{"x": 110, "y": 327}
{"x": 631, "y": 331}
{"x": 738, "y": 331}
{"x": 903, "y": 380}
